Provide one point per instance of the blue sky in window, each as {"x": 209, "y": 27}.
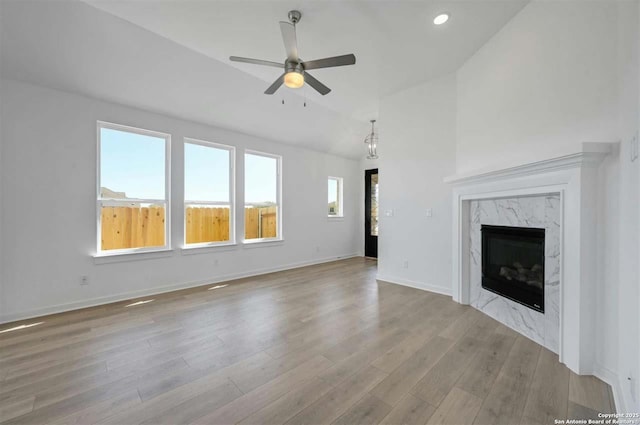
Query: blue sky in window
{"x": 261, "y": 176}
{"x": 206, "y": 173}
{"x": 132, "y": 163}
{"x": 333, "y": 190}
{"x": 135, "y": 164}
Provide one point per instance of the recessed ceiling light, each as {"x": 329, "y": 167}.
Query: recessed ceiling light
{"x": 441, "y": 19}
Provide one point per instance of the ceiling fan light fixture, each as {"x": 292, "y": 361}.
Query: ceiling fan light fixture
{"x": 441, "y": 19}
{"x": 293, "y": 80}
{"x": 295, "y": 70}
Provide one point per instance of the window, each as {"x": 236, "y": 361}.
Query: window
{"x": 133, "y": 189}
{"x": 208, "y": 193}
{"x": 375, "y": 193}
{"x": 335, "y": 197}
{"x": 262, "y": 196}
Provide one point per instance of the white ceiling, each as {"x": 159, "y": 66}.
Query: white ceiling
{"x": 395, "y": 43}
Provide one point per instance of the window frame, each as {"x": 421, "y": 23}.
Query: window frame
{"x": 280, "y": 234}
{"x": 232, "y": 195}
{"x": 167, "y": 191}
{"x": 340, "y": 196}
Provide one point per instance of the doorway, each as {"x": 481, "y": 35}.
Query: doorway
{"x": 371, "y": 213}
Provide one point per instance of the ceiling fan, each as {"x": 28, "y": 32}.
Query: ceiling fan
{"x": 295, "y": 69}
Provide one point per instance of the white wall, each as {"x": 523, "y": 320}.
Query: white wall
{"x": 638, "y": 239}
{"x": 417, "y": 150}
{"x": 561, "y": 73}
{"x": 2, "y": 296}
{"x": 545, "y": 82}
{"x": 49, "y": 179}
{"x": 628, "y": 212}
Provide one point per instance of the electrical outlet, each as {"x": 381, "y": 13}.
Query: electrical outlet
{"x": 84, "y": 280}
{"x": 405, "y": 264}
{"x": 429, "y": 212}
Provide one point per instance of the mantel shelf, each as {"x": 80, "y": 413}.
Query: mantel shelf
{"x": 589, "y": 154}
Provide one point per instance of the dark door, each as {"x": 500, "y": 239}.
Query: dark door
{"x": 371, "y": 213}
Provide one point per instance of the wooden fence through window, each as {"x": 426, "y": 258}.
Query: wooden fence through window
{"x": 135, "y": 226}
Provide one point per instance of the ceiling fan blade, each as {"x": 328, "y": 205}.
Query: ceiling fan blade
{"x": 317, "y": 85}
{"x": 256, "y": 61}
{"x": 330, "y": 62}
{"x": 290, "y": 41}
{"x": 275, "y": 86}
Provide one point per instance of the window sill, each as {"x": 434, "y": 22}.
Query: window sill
{"x": 262, "y": 243}
{"x": 117, "y": 257}
{"x": 207, "y": 248}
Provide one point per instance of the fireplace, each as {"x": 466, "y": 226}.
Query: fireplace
{"x": 513, "y": 264}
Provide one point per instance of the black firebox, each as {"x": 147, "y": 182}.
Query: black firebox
{"x": 513, "y": 264}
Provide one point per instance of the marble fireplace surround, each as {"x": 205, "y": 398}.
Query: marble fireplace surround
{"x": 571, "y": 178}
{"x": 538, "y": 211}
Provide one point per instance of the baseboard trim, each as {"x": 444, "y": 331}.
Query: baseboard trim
{"x": 94, "y": 302}
{"x": 611, "y": 378}
{"x": 413, "y": 284}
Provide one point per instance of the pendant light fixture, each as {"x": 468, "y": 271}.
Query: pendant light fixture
{"x": 372, "y": 141}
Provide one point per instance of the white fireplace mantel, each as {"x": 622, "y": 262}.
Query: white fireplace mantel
{"x": 573, "y": 175}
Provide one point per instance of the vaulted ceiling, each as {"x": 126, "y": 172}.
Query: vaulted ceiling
{"x": 172, "y": 57}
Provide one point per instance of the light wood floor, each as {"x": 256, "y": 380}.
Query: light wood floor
{"x": 321, "y": 344}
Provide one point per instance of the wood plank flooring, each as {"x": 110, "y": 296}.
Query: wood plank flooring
{"x": 315, "y": 345}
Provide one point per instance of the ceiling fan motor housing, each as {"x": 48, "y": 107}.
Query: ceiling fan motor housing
{"x": 292, "y": 66}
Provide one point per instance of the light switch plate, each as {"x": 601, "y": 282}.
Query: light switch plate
{"x": 388, "y": 213}
{"x": 429, "y": 212}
